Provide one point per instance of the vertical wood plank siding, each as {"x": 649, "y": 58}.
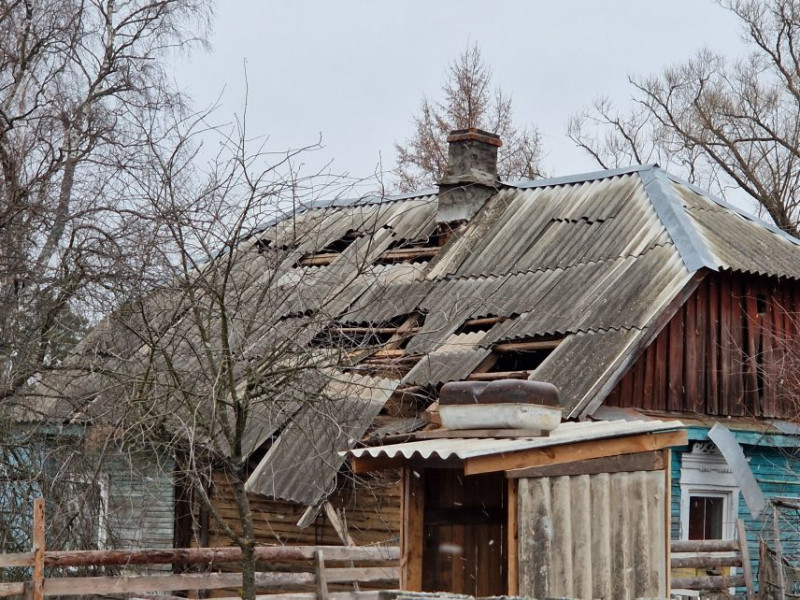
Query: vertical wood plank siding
{"x": 370, "y": 509}
{"x": 593, "y": 536}
{"x": 721, "y": 353}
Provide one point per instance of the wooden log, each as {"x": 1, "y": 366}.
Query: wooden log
{"x": 707, "y": 582}
{"x": 704, "y": 546}
{"x": 105, "y": 558}
{"x": 526, "y": 346}
{"x": 701, "y": 562}
{"x": 38, "y": 549}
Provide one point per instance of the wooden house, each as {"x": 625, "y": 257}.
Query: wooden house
{"x": 640, "y": 296}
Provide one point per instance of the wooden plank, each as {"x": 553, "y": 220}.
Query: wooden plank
{"x": 644, "y": 461}
{"x": 365, "y": 464}
{"x": 195, "y": 581}
{"x": 693, "y": 400}
{"x": 37, "y": 587}
{"x": 83, "y": 558}
{"x": 512, "y": 541}
{"x": 726, "y": 342}
{"x": 360, "y": 595}
{"x": 649, "y": 367}
{"x": 319, "y": 570}
{"x": 747, "y": 568}
{"x": 776, "y": 531}
{"x": 494, "y": 376}
{"x": 675, "y": 398}
{"x": 413, "y": 530}
{"x": 712, "y": 347}
{"x": 16, "y": 559}
{"x": 751, "y": 333}
{"x": 554, "y": 455}
{"x": 699, "y": 343}
{"x": 477, "y": 433}
{"x": 661, "y": 378}
{"x": 736, "y": 402}
{"x": 12, "y": 589}
{"x": 667, "y": 456}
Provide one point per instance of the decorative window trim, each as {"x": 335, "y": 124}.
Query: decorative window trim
{"x": 704, "y": 472}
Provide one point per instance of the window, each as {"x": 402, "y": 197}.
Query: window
{"x": 709, "y": 495}
{"x": 706, "y": 517}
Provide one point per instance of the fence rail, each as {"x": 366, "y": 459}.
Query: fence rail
{"x": 376, "y": 565}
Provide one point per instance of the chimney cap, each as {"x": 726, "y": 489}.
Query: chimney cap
{"x": 473, "y": 133}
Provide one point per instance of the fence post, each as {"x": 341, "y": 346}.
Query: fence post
{"x": 322, "y": 580}
{"x": 38, "y": 549}
{"x": 776, "y": 528}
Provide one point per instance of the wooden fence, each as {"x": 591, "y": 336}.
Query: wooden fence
{"x": 296, "y": 570}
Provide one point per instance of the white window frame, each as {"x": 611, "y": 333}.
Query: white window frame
{"x": 704, "y": 472}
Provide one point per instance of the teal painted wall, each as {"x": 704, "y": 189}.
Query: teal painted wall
{"x": 776, "y": 466}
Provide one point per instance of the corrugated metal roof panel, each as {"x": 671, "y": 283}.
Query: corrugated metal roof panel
{"x": 456, "y": 358}
{"x": 465, "y": 448}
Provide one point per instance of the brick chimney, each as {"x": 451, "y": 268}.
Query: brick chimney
{"x": 471, "y": 174}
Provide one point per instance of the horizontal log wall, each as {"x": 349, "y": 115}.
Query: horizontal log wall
{"x": 370, "y": 507}
{"x": 723, "y": 353}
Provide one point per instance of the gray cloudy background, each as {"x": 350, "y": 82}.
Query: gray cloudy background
{"x": 354, "y": 72}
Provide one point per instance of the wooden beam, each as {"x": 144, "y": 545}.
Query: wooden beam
{"x": 494, "y": 376}
{"x": 16, "y": 559}
{"x": 477, "y": 433}
{"x": 705, "y": 562}
{"x": 12, "y": 589}
{"x": 512, "y": 540}
{"x": 747, "y": 569}
{"x": 322, "y": 582}
{"x": 526, "y": 346}
{"x": 359, "y": 595}
{"x": 412, "y": 530}
{"x": 625, "y": 463}
{"x": 566, "y": 453}
{"x": 107, "y": 558}
{"x": 38, "y": 549}
{"x": 365, "y": 464}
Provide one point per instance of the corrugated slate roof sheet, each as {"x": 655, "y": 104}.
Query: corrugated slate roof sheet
{"x": 593, "y": 259}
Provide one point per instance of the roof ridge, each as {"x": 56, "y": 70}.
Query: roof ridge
{"x": 579, "y": 177}
{"x": 687, "y": 239}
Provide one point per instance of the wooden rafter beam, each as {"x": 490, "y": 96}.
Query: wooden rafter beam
{"x": 590, "y": 449}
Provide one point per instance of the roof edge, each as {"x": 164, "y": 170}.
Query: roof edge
{"x": 684, "y": 234}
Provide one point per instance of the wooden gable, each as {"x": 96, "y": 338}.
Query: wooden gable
{"x": 728, "y": 351}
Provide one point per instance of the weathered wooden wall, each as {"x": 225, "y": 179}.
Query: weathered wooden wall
{"x": 722, "y": 353}
{"x": 593, "y": 536}
{"x": 140, "y": 501}
{"x": 370, "y": 508}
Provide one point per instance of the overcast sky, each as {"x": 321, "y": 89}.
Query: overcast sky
{"x": 354, "y": 72}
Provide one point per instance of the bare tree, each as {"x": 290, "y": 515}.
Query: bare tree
{"x": 468, "y": 100}
{"x": 82, "y": 91}
{"x": 722, "y": 123}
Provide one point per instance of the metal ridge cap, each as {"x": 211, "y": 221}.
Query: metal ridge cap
{"x": 687, "y": 239}
{"x": 578, "y": 177}
{"x": 728, "y": 206}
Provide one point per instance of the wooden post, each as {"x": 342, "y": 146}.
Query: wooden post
{"x": 745, "y": 552}
{"x": 413, "y": 536}
{"x": 322, "y": 581}
{"x": 512, "y": 540}
{"x": 38, "y": 549}
{"x": 668, "y": 520}
{"x": 776, "y": 528}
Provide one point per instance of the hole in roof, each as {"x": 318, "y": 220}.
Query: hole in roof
{"x": 420, "y": 249}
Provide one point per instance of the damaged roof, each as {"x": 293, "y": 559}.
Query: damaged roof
{"x": 558, "y": 280}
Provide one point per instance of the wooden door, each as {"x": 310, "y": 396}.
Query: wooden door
{"x": 464, "y": 541}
